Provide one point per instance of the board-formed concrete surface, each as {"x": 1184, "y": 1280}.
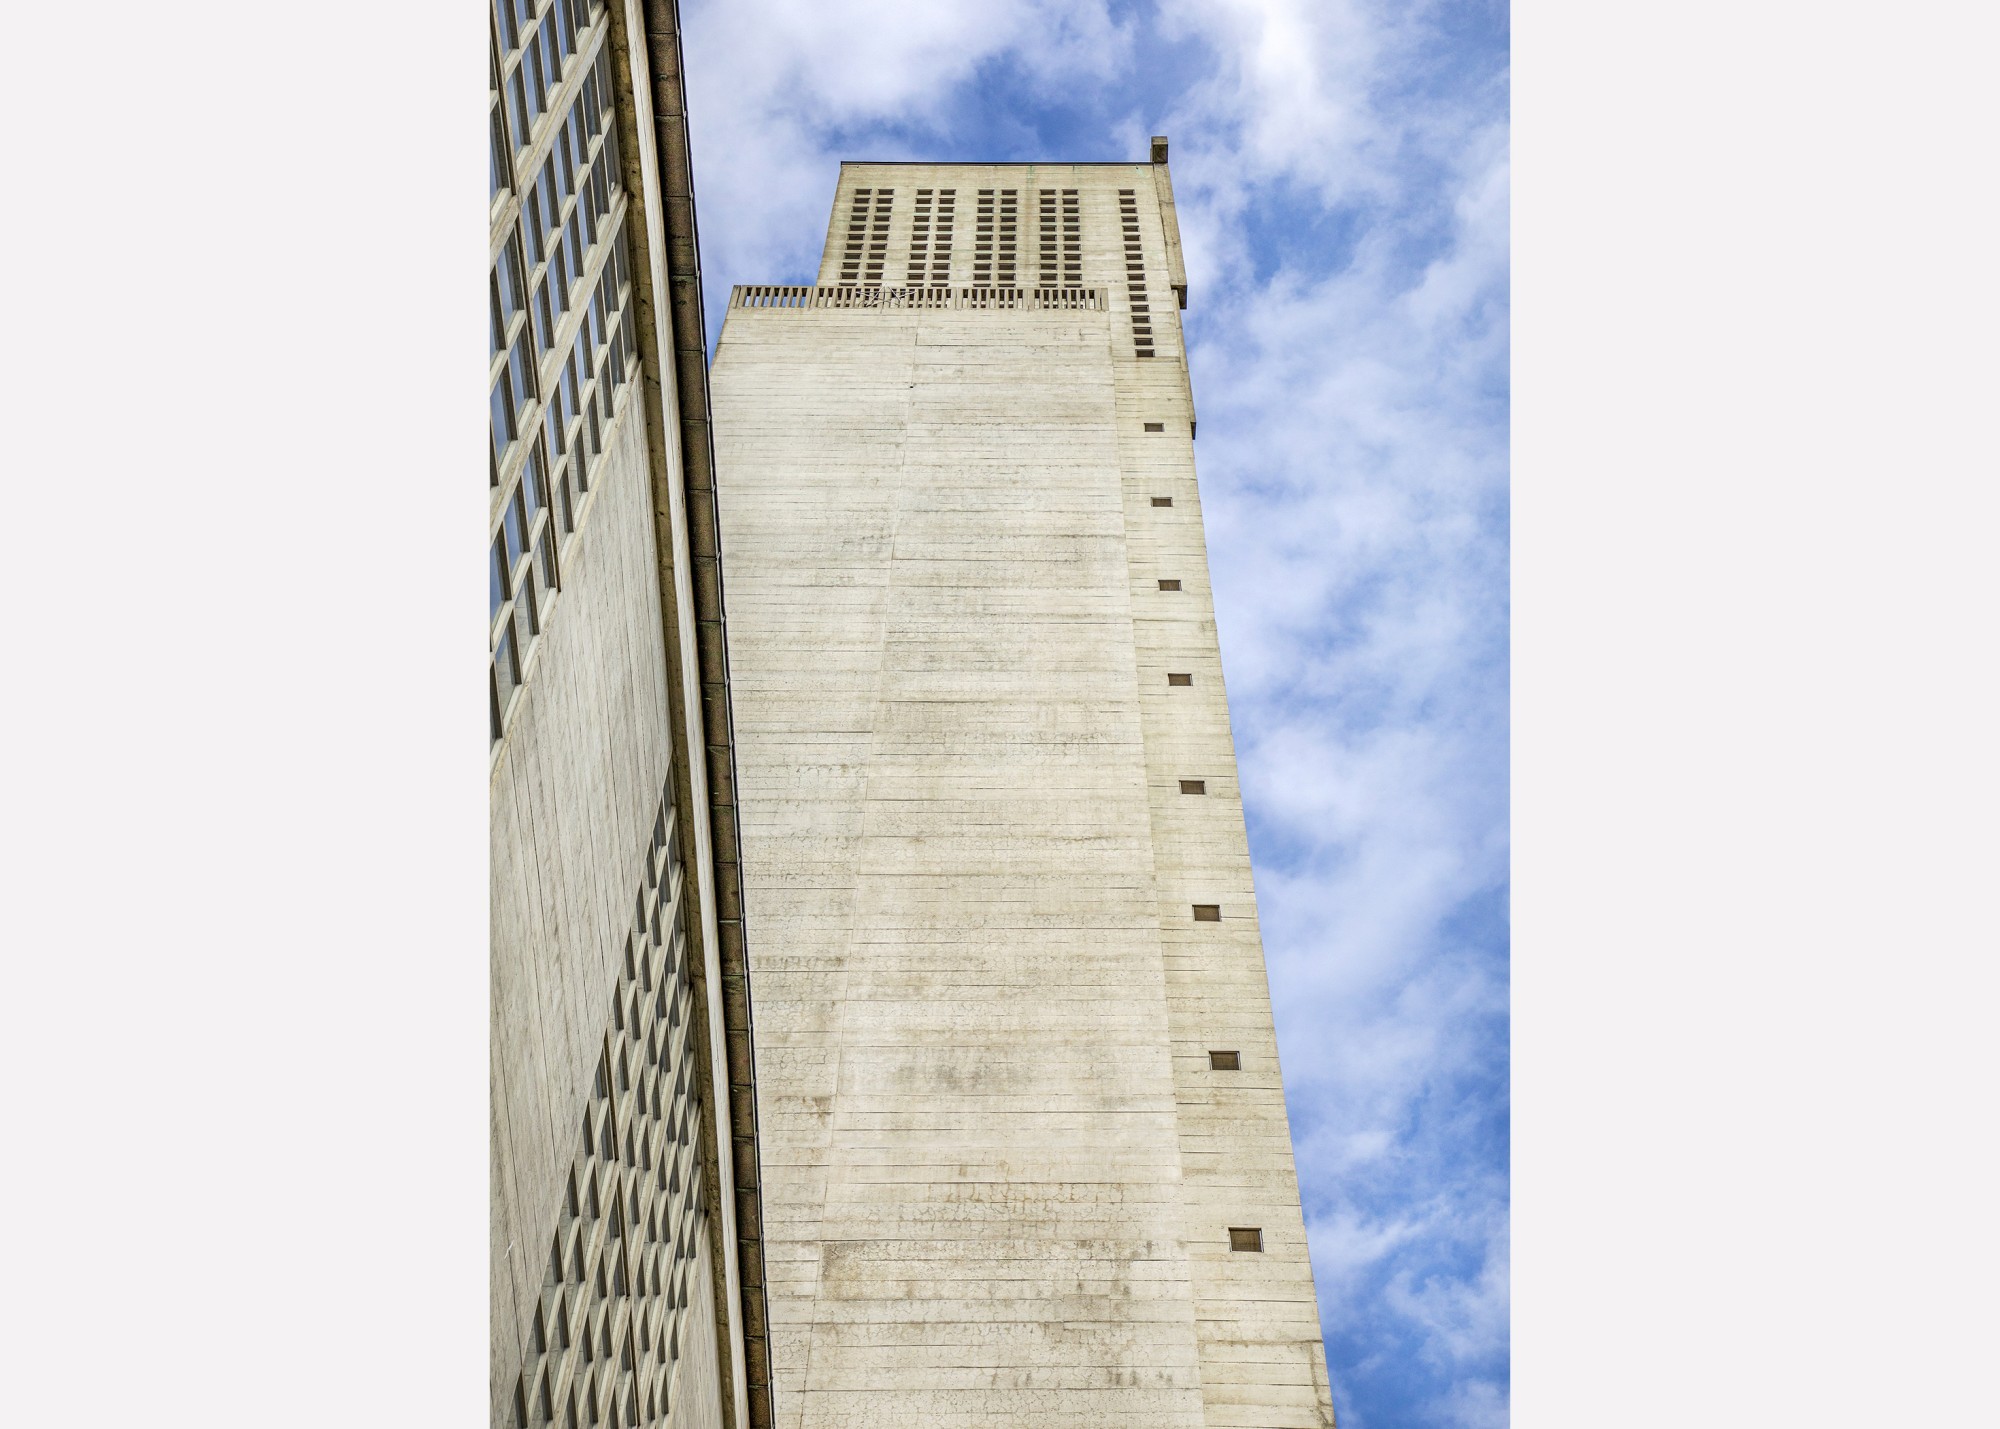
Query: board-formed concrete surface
{"x": 1000, "y": 1170}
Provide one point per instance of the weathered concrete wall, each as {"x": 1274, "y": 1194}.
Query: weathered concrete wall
{"x": 576, "y": 787}
{"x": 999, "y": 1171}
{"x": 697, "y": 1398}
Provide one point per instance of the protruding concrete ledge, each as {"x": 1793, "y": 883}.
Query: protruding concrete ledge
{"x": 836, "y": 296}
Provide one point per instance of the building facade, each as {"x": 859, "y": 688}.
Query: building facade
{"x": 626, "y": 1276}
{"x": 1025, "y": 1152}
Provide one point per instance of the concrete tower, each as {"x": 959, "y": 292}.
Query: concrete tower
{"x": 1025, "y": 1154}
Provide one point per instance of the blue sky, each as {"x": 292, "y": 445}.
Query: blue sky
{"x": 1341, "y": 174}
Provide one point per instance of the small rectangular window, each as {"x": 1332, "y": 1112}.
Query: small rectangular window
{"x": 1194, "y": 786}
{"x": 1225, "y": 1062}
{"x": 1180, "y": 679}
{"x": 1246, "y": 1238}
{"x": 1207, "y": 913}
{"x": 1163, "y": 501}
{"x": 1156, "y": 426}
{"x": 1170, "y": 585}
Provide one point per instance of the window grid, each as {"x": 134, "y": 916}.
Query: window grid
{"x": 993, "y": 239}
{"x": 1049, "y": 247}
{"x": 857, "y": 235}
{"x": 536, "y": 41}
{"x": 930, "y": 238}
{"x": 941, "y": 244}
{"x": 867, "y": 247}
{"x": 1061, "y": 248}
{"x": 545, "y": 503}
{"x": 1072, "y": 237}
{"x": 878, "y": 239}
{"x": 1135, "y": 274}
{"x": 920, "y": 239}
{"x": 561, "y": 344}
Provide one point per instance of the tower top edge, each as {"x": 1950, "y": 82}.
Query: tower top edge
{"x": 997, "y": 163}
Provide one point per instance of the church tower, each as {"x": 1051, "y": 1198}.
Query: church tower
{"x": 1025, "y": 1157}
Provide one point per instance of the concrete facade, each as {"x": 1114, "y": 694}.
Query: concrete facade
{"x": 626, "y": 1272}
{"x": 997, "y": 885}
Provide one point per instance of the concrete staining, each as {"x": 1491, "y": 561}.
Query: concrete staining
{"x": 1000, "y": 1173}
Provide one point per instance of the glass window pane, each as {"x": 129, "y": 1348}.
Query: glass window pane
{"x": 497, "y": 145}
{"x": 531, "y": 484}
{"x": 507, "y": 279}
{"x": 528, "y": 607}
{"x": 517, "y": 112}
{"x": 554, "y": 422}
{"x": 552, "y": 50}
{"x": 608, "y": 157}
{"x": 545, "y": 327}
{"x": 496, "y": 566}
{"x": 531, "y": 220}
{"x": 545, "y": 558}
{"x": 506, "y": 666}
{"x": 524, "y": 377}
{"x": 514, "y": 531}
{"x": 503, "y": 417}
{"x": 538, "y": 90}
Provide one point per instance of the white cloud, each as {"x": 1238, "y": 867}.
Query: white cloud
{"x": 1354, "y": 466}
{"x": 777, "y": 80}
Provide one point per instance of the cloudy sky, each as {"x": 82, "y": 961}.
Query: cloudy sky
{"x": 1341, "y": 172}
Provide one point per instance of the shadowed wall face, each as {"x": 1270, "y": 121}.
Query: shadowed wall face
{"x": 609, "y": 1303}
